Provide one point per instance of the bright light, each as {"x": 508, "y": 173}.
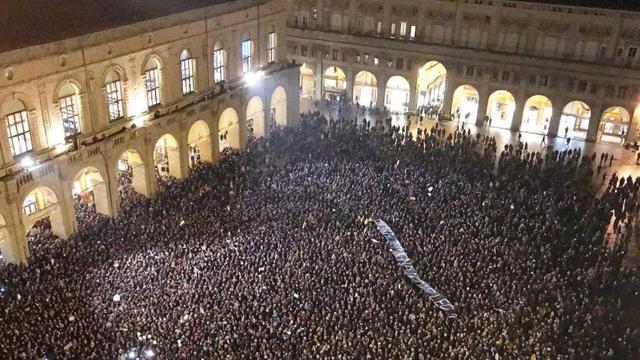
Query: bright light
{"x": 131, "y": 354}
{"x": 252, "y": 77}
{"x": 139, "y": 121}
{"x": 27, "y": 162}
{"x": 149, "y": 353}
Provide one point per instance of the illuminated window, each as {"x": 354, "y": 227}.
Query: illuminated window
{"x": 186, "y": 71}
{"x": 218, "y": 65}
{"x": 412, "y": 32}
{"x": 30, "y": 205}
{"x": 272, "y": 43}
{"x": 379, "y": 28}
{"x": 246, "y": 50}
{"x": 114, "y": 100}
{"x": 393, "y": 29}
{"x": 153, "y": 87}
{"x": 70, "y": 115}
{"x": 19, "y": 132}
{"x": 403, "y": 29}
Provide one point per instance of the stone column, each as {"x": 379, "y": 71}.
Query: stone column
{"x": 594, "y": 122}
{"x": 483, "y": 102}
{"x": 521, "y": 99}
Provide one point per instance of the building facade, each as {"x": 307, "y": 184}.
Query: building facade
{"x": 541, "y": 68}
{"x": 148, "y": 99}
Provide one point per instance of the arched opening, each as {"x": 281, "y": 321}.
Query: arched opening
{"x": 334, "y": 83}
{"x": 229, "y": 129}
{"x": 432, "y": 81}
{"x": 500, "y": 109}
{"x": 396, "y": 97}
{"x": 464, "y": 105}
{"x": 279, "y": 107}
{"x": 131, "y": 174}
{"x": 40, "y": 210}
{"x": 69, "y": 107}
{"x": 536, "y": 115}
{"x": 307, "y": 81}
{"x": 166, "y": 157}
{"x": 255, "y": 117}
{"x": 89, "y": 194}
{"x": 365, "y": 89}
{"x": 18, "y": 129}
{"x": 4, "y": 240}
{"x": 199, "y": 139}
{"x": 152, "y": 82}
{"x": 574, "y": 120}
{"x": 614, "y": 125}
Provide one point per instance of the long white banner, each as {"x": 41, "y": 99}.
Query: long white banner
{"x": 409, "y": 271}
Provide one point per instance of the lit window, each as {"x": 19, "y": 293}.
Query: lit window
{"x": 412, "y": 32}
{"x": 30, "y": 205}
{"x": 379, "y": 28}
{"x": 186, "y": 70}
{"x": 218, "y": 65}
{"x": 153, "y": 87}
{"x": 246, "y": 55}
{"x": 403, "y": 29}
{"x": 272, "y": 43}
{"x": 19, "y": 132}
{"x": 376, "y": 61}
{"x": 70, "y": 115}
{"x": 393, "y": 29}
{"x": 114, "y": 100}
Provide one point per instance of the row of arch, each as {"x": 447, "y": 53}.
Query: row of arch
{"x": 501, "y": 106}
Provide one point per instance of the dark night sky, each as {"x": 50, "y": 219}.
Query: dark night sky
{"x": 30, "y": 22}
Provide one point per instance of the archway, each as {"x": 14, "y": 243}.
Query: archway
{"x": 279, "y": 107}
{"x": 396, "y": 97}
{"x": 255, "y": 117}
{"x": 39, "y": 205}
{"x": 574, "y": 120}
{"x": 89, "y": 189}
{"x": 536, "y": 115}
{"x": 432, "y": 81}
{"x": 365, "y": 89}
{"x": 334, "y": 83}
{"x": 464, "y": 105}
{"x": 229, "y": 129}
{"x": 199, "y": 140}
{"x": 307, "y": 81}
{"x": 614, "y": 125}
{"x": 131, "y": 173}
{"x": 166, "y": 157}
{"x": 500, "y": 109}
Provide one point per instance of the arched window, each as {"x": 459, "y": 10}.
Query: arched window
{"x": 18, "y": 130}
{"x": 218, "y": 63}
{"x": 152, "y": 82}
{"x": 272, "y": 43}
{"x": 246, "y": 50}
{"x": 186, "y": 71}
{"x": 69, "y": 109}
{"x": 113, "y": 93}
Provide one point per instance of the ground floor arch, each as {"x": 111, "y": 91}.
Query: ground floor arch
{"x": 464, "y": 105}
{"x": 574, "y": 120}
{"x": 334, "y": 83}
{"x": 432, "y": 82}
{"x": 279, "y": 107}
{"x": 397, "y": 92}
{"x": 614, "y": 125}
{"x": 255, "y": 117}
{"x": 229, "y": 129}
{"x": 536, "y": 115}
{"x": 90, "y": 189}
{"x": 166, "y": 157}
{"x": 131, "y": 173}
{"x": 365, "y": 89}
{"x": 501, "y": 107}
{"x": 199, "y": 140}
{"x": 41, "y": 205}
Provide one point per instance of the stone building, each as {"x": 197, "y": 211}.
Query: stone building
{"x": 147, "y": 97}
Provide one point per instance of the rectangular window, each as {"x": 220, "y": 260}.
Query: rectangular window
{"x": 632, "y": 52}
{"x": 19, "y": 133}
{"x": 114, "y": 100}
{"x": 403, "y": 29}
{"x": 334, "y": 54}
{"x": 366, "y": 58}
{"x": 246, "y": 55}
{"x": 393, "y": 29}
{"x": 379, "y": 28}
{"x": 376, "y": 61}
{"x": 70, "y": 115}
{"x": 505, "y": 75}
{"x": 469, "y": 71}
{"x": 218, "y": 65}
{"x": 412, "y": 32}
{"x": 622, "y": 92}
{"x": 272, "y": 43}
{"x": 153, "y": 87}
{"x": 30, "y": 205}
{"x": 304, "y": 50}
{"x": 186, "y": 69}
{"x": 543, "y": 80}
{"x": 358, "y": 58}
{"x": 399, "y": 63}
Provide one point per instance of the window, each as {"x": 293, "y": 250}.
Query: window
{"x": 403, "y": 29}
{"x": 412, "y": 32}
{"x": 30, "y": 205}
{"x": 393, "y": 29}
{"x": 152, "y": 85}
{"x": 272, "y": 43}
{"x": 399, "y": 63}
{"x": 632, "y": 52}
{"x": 505, "y": 75}
{"x": 186, "y": 72}
{"x": 70, "y": 115}
{"x": 19, "y": 132}
{"x": 543, "y": 80}
{"x": 366, "y": 58}
{"x": 218, "y": 65}
{"x": 334, "y": 54}
{"x": 304, "y": 50}
{"x": 114, "y": 100}
{"x": 582, "y": 86}
{"x": 246, "y": 50}
{"x": 376, "y": 61}
{"x": 379, "y": 28}
{"x": 469, "y": 71}
{"x": 622, "y": 92}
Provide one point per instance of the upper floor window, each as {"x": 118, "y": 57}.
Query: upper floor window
{"x": 304, "y": 50}
{"x": 336, "y": 22}
{"x": 113, "y": 92}
{"x": 69, "y": 110}
{"x": 412, "y": 32}
{"x": 393, "y": 30}
{"x": 218, "y": 63}
{"x": 186, "y": 72}
{"x": 19, "y": 132}
{"x": 152, "y": 82}
{"x": 379, "y": 28}
{"x": 272, "y": 43}
{"x": 246, "y": 50}
{"x": 632, "y": 52}
{"x": 334, "y": 54}
{"x": 403, "y": 29}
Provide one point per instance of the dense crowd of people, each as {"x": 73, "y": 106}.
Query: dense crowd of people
{"x": 272, "y": 254}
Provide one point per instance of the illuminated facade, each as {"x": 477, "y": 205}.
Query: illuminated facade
{"x": 147, "y": 99}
